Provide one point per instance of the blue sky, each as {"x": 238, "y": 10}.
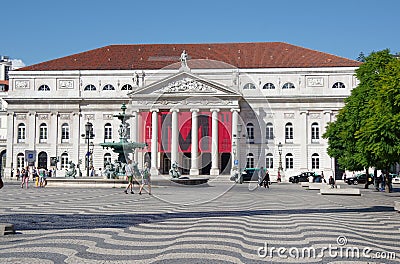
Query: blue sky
{"x": 37, "y": 31}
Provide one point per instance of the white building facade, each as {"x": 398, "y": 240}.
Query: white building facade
{"x": 224, "y": 105}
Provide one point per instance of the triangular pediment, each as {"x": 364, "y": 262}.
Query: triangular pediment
{"x": 183, "y": 84}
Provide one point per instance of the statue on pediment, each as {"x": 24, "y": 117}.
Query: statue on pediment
{"x": 184, "y": 57}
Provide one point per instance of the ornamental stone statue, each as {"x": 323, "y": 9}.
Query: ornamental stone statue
{"x": 184, "y": 57}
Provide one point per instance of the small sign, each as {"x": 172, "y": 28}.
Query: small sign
{"x": 30, "y": 156}
{"x": 236, "y": 162}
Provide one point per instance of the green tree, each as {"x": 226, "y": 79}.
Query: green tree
{"x": 366, "y": 132}
{"x": 361, "y": 57}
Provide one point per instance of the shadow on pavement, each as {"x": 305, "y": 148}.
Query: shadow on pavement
{"x": 91, "y": 221}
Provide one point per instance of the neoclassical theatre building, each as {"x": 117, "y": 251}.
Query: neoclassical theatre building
{"x": 208, "y": 107}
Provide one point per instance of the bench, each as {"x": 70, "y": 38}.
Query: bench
{"x": 397, "y": 206}
{"x": 336, "y": 191}
{"x": 305, "y": 184}
{"x": 319, "y": 186}
{"x": 6, "y": 229}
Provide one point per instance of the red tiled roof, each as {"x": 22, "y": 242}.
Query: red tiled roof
{"x": 157, "y": 56}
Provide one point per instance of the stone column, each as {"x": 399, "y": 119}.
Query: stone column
{"x": 53, "y": 137}
{"x": 303, "y": 136}
{"x": 235, "y": 137}
{"x": 154, "y": 142}
{"x": 214, "y": 143}
{"x": 194, "y": 166}
{"x": 174, "y": 136}
{"x": 31, "y": 132}
{"x": 10, "y": 155}
{"x": 327, "y": 164}
{"x": 75, "y": 137}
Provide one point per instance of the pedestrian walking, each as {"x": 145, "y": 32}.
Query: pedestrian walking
{"x": 42, "y": 173}
{"x": 25, "y": 177}
{"x": 383, "y": 181}
{"x": 323, "y": 177}
{"x": 266, "y": 179}
{"x": 18, "y": 174}
{"x": 389, "y": 186}
{"x": 129, "y": 176}
{"x": 146, "y": 180}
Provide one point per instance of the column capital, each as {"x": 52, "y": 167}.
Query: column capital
{"x": 305, "y": 112}
{"x": 154, "y": 110}
{"x": 194, "y": 110}
{"x": 174, "y": 110}
{"x": 235, "y": 110}
{"x": 215, "y": 110}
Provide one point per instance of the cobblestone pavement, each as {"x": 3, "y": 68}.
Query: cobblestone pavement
{"x": 219, "y": 223}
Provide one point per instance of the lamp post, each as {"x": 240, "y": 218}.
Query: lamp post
{"x": 88, "y": 136}
{"x": 280, "y": 161}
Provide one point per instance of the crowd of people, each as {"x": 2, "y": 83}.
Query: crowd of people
{"x": 39, "y": 176}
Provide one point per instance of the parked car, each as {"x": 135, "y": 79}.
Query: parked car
{"x": 305, "y": 177}
{"x": 250, "y": 174}
{"x": 360, "y": 178}
{"x": 395, "y": 178}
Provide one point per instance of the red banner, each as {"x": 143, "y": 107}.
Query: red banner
{"x": 185, "y": 131}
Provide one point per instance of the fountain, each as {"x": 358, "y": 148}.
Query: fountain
{"x": 123, "y": 146}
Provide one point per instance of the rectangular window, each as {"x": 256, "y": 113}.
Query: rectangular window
{"x": 289, "y": 132}
{"x": 43, "y": 134}
{"x": 21, "y": 134}
{"x": 269, "y": 163}
{"x": 64, "y": 162}
{"x": 64, "y": 134}
{"x": 108, "y": 133}
{"x": 289, "y": 162}
{"x": 269, "y": 132}
{"x": 315, "y": 163}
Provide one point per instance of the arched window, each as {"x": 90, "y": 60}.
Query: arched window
{"x": 269, "y": 86}
{"x": 288, "y": 85}
{"x": 289, "y": 161}
{"x": 289, "y": 132}
{"x": 65, "y": 132}
{"x": 42, "y": 160}
{"x": 108, "y": 87}
{"x": 108, "y": 131}
{"x": 314, "y": 132}
{"x": 43, "y": 132}
{"x": 269, "y": 131}
{"x": 21, "y": 132}
{"x": 250, "y": 132}
{"x": 269, "y": 161}
{"x": 315, "y": 161}
{"x": 107, "y": 159}
{"x": 20, "y": 161}
{"x": 249, "y": 86}
{"x": 64, "y": 161}
{"x": 250, "y": 160}
{"x": 338, "y": 85}
{"x": 127, "y": 87}
{"x": 44, "y": 87}
{"x": 90, "y": 87}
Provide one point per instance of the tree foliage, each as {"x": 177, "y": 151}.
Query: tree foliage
{"x": 366, "y": 132}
